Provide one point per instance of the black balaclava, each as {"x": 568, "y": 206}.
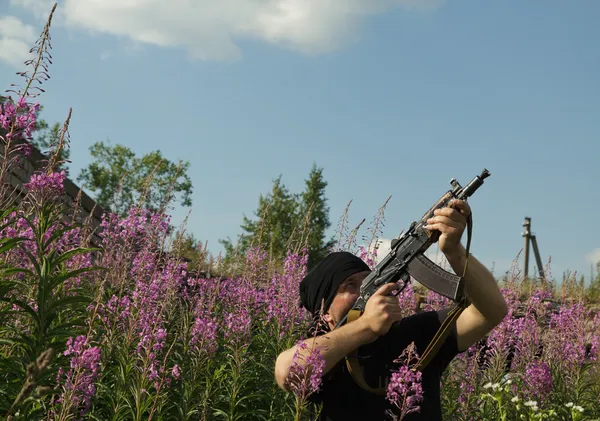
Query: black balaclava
{"x": 322, "y": 282}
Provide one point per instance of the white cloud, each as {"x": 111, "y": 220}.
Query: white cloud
{"x": 105, "y": 55}
{"x": 16, "y": 39}
{"x": 593, "y": 257}
{"x": 208, "y": 29}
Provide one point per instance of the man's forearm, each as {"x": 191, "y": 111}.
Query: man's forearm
{"x": 481, "y": 287}
{"x": 333, "y": 346}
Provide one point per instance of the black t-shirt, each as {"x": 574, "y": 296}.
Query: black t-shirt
{"x": 344, "y": 400}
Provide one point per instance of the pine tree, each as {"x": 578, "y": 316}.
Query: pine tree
{"x": 593, "y": 292}
{"x": 275, "y": 227}
{"x": 315, "y": 212}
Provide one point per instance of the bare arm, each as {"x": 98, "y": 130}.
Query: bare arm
{"x": 333, "y": 346}
{"x": 488, "y": 307}
{"x": 381, "y": 311}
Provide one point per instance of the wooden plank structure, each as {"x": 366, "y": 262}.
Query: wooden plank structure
{"x": 87, "y": 208}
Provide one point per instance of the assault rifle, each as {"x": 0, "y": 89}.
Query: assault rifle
{"x": 406, "y": 259}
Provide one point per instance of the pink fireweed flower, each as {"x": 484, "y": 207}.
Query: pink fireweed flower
{"x": 237, "y": 326}
{"x": 255, "y": 267}
{"x": 115, "y": 312}
{"x": 18, "y": 119}
{"x": 306, "y": 372}
{"x": 175, "y": 372}
{"x": 527, "y": 342}
{"x": 281, "y": 297}
{"x": 538, "y": 381}
{"x": 466, "y": 368}
{"x": 405, "y": 390}
{"x": 567, "y": 343}
{"x": 369, "y": 257}
{"x": 79, "y": 382}
{"x": 407, "y": 300}
{"x": 47, "y": 185}
{"x": 204, "y": 334}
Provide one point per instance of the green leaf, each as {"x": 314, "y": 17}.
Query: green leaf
{"x": 9, "y": 243}
{"x": 12, "y": 271}
{"x": 24, "y": 306}
{"x": 33, "y": 260}
{"x": 68, "y": 301}
{"x": 58, "y": 233}
{"x": 73, "y": 252}
{"x": 6, "y": 215}
{"x": 59, "y": 279}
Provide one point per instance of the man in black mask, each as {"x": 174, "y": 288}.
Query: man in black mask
{"x": 381, "y": 333}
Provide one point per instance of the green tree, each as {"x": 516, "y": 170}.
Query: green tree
{"x": 191, "y": 250}
{"x": 119, "y": 179}
{"x": 275, "y": 227}
{"x": 593, "y": 291}
{"x": 316, "y": 213}
{"x": 286, "y": 221}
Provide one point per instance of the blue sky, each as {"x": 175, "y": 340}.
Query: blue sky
{"x": 389, "y": 97}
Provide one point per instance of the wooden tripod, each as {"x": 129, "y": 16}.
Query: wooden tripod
{"x": 530, "y": 238}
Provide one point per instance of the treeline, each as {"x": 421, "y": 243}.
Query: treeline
{"x": 283, "y": 220}
{"x": 286, "y": 221}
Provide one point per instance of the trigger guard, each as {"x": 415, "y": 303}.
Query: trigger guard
{"x": 406, "y": 279}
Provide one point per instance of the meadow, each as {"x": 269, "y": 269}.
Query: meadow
{"x": 121, "y": 330}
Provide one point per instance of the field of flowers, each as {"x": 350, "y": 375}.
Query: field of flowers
{"x": 121, "y": 331}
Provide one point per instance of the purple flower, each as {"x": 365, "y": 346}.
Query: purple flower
{"x": 175, "y": 372}
{"x": 567, "y": 342}
{"x": 405, "y": 390}
{"x": 281, "y": 298}
{"x": 18, "y": 119}
{"x": 368, "y": 256}
{"x": 204, "y": 334}
{"x": 79, "y": 382}
{"x": 46, "y": 184}
{"x": 306, "y": 371}
{"x": 538, "y": 381}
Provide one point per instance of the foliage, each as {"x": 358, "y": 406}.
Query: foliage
{"x": 121, "y": 331}
{"x": 193, "y": 252}
{"x": 593, "y": 291}
{"x": 314, "y": 209}
{"x": 119, "y": 179}
{"x": 287, "y": 221}
{"x": 276, "y": 224}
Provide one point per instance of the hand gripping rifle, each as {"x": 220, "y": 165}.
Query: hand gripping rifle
{"x": 405, "y": 259}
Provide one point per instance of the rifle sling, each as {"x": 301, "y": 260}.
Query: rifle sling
{"x": 436, "y": 342}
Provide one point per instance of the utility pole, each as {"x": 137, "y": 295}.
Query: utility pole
{"x": 529, "y": 237}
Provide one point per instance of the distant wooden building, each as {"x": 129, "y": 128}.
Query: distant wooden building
{"x": 87, "y": 206}
{"x": 36, "y": 161}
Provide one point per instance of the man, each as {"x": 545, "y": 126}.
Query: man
{"x": 381, "y": 333}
